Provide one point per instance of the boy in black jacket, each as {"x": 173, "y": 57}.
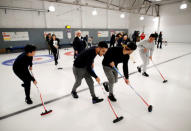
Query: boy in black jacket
{"x": 112, "y": 58}
{"x": 21, "y": 67}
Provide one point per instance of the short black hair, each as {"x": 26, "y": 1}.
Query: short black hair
{"x": 102, "y": 44}
{"x": 131, "y": 46}
{"x": 118, "y": 35}
{"x": 152, "y": 35}
{"x": 29, "y": 48}
{"x": 53, "y": 35}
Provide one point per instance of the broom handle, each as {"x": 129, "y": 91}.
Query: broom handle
{"x": 39, "y": 93}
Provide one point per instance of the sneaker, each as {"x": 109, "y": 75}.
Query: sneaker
{"x": 112, "y": 98}
{"x": 28, "y": 101}
{"x": 145, "y": 74}
{"x": 96, "y": 100}
{"x": 74, "y": 94}
{"x": 106, "y": 86}
{"x": 139, "y": 69}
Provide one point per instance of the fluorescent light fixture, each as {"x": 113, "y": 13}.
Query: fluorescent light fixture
{"x": 51, "y": 8}
{"x": 94, "y": 12}
{"x": 183, "y": 6}
{"x": 142, "y": 18}
{"x": 122, "y": 15}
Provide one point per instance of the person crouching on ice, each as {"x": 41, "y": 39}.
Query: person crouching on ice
{"x": 21, "y": 67}
{"x": 83, "y": 68}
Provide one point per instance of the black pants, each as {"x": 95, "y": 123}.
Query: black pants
{"x": 112, "y": 44}
{"x": 89, "y": 45}
{"x": 26, "y": 83}
{"x": 49, "y": 50}
{"x": 55, "y": 54}
{"x": 155, "y": 41}
{"x": 159, "y": 44}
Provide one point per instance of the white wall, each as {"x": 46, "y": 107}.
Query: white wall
{"x": 175, "y": 23}
{"x": 147, "y": 25}
{"x": 20, "y": 19}
{"x": 77, "y": 17}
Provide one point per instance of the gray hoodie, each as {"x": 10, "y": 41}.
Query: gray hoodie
{"x": 146, "y": 44}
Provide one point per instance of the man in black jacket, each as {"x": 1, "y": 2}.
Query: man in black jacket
{"x": 83, "y": 68}
{"x": 156, "y": 37}
{"x": 135, "y": 36}
{"x": 78, "y": 44}
{"x": 112, "y": 40}
{"x": 21, "y": 68}
{"x": 112, "y": 58}
{"x": 48, "y": 39}
{"x": 160, "y": 41}
{"x": 123, "y": 41}
{"x": 117, "y": 38}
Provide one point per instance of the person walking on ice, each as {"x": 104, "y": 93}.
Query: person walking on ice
{"x": 146, "y": 49}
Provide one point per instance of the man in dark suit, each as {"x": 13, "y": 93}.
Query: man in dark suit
{"x": 78, "y": 44}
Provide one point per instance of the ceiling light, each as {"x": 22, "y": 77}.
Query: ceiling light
{"x": 142, "y": 18}
{"x": 122, "y": 15}
{"x": 51, "y": 8}
{"x": 183, "y": 6}
{"x": 94, "y": 12}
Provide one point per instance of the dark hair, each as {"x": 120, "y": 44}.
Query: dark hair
{"x": 152, "y": 35}
{"x": 53, "y": 35}
{"x": 29, "y": 48}
{"x": 131, "y": 46}
{"x": 102, "y": 44}
{"x": 118, "y": 35}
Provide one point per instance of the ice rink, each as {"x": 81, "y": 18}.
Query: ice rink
{"x": 171, "y": 101}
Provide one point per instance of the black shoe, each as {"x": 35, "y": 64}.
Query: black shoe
{"x": 22, "y": 85}
{"x": 106, "y": 86}
{"x": 56, "y": 63}
{"x": 28, "y": 101}
{"x": 74, "y": 94}
{"x": 112, "y": 98}
{"x": 139, "y": 69}
{"x": 145, "y": 74}
{"x": 96, "y": 100}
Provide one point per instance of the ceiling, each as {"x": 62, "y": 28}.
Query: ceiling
{"x": 130, "y": 6}
{"x": 142, "y": 7}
